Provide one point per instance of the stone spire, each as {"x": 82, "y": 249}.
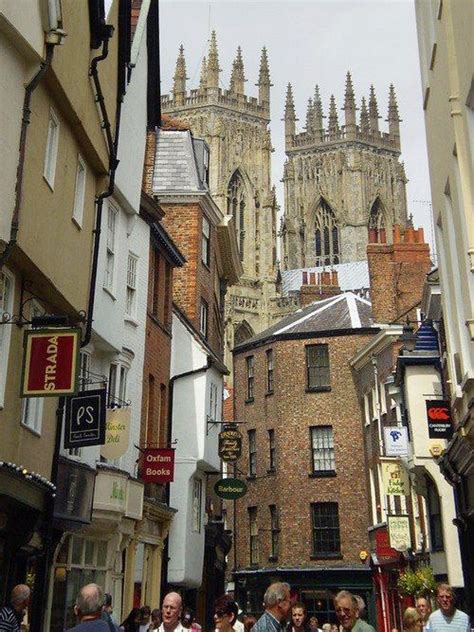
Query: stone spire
{"x": 213, "y": 69}
{"x": 179, "y": 85}
{"x": 333, "y": 122}
{"x": 373, "y": 111}
{"x": 318, "y": 114}
{"x": 310, "y": 116}
{"x": 364, "y": 118}
{"x": 237, "y": 78}
{"x": 349, "y": 107}
{"x": 393, "y": 118}
{"x": 203, "y": 78}
{"x": 290, "y": 116}
{"x": 264, "y": 83}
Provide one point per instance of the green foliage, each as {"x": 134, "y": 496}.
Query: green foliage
{"x": 416, "y": 582}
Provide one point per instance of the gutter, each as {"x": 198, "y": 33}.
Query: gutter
{"x": 25, "y": 121}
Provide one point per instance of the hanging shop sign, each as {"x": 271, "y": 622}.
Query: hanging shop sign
{"x": 399, "y": 532}
{"x": 230, "y": 488}
{"x": 395, "y": 479}
{"x": 85, "y": 419}
{"x": 50, "y": 362}
{"x": 396, "y": 441}
{"x": 158, "y": 465}
{"x": 117, "y": 430}
{"x": 230, "y": 445}
{"x": 440, "y": 425}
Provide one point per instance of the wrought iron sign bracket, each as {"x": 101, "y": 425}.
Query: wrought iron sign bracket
{"x": 210, "y": 423}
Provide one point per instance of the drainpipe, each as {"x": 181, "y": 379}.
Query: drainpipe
{"x": 25, "y": 121}
{"x": 112, "y": 146}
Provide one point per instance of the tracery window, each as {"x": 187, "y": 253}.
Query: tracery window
{"x": 236, "y": 208}
{"x": 377, "y": 232}
{"x": 326, "y": 235}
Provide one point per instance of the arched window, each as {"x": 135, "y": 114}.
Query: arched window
{"x": 326, "y": 236}
{"x": 242, "y": 332}
{"x": 433, "y": 506}
{"x": 236, "y": 208}
{"x": 377, "y": 232}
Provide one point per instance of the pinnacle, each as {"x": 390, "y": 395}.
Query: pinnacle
{"x": 364, "y": 117}
{"x": 203, "y": 77}
{"x": 289, "y": 104}
{"x": 213, "y": 56}
{"x": 264, "y": 73}
{"x": 309, "y": 115}
{"x": 373, "y": 107}
{"x": 349, "y": 100}
{"x": 392, "y": 104}
{"x": 180, "y": 72}
{"x": 333, "y": 120}
{"x": 237, "y": 78}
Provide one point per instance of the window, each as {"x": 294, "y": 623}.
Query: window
{"x": 51, "y": 149}
{"x": 434, "y": 515}
{"x": 32, "y": 407}
{"x": 155, "y": 293}
{"x": 6, "y": 306}
{"x": 236, "y": 208}
{"x": 79, "y": 193}
{"x": 131, "y": 298}
{"x": 250, "y": 377}
{"x": 112, "y": 383}
{"x": 213, "y": 402}
{"x": 317, "y": 367}
{"x": 269, "y": 371}
{"x": 167, "y": 299}
{"x": 110, "y": 249}
{"x": 253, "y": 532}
{"x": 322, "y": 449}
{"x": 275, "y": 530}
{"x": 197, "y": 495}
{"x": 272, "y": 450}
{"x": 203, "y": 313}
{"x": 325, "y": 522}
{"x": 326, "y": 235}
{"x": 252, "y": 434}
{"x": 206, "y": 241}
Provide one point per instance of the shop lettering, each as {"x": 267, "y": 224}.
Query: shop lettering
{"x": 149, "y": 471}
{"x": 114, "y": 431}
{"x": 229, "y": 488}
{"x": 51, "y": 359}
{"x": 158, "y": 458}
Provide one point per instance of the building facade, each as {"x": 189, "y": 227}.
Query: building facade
{"x": 341, "y": 181}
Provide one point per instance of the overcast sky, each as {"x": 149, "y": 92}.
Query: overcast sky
{"x": 309, "y": 42}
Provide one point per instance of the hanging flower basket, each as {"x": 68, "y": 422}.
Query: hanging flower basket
{"x": 416, "y": 582}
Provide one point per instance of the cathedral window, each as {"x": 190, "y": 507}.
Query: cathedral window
{"x": 377, "y": 231}
{"x": 326, "y": 236}
{"x": 236, "y": 208}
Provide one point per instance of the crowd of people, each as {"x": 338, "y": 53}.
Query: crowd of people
{"x": 94, "y": 612}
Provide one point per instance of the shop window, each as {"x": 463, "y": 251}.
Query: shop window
{"x": 322, "y": 450}
{"x": 269, "y": 358}
{"x": 325, "y": 525}
{"x": 250, "y": 362}
{"x": 434, "y": 515}
{"x": 252, "y": 452}
{"x": 253, "y": 535}
{"x": 317, "y": 367}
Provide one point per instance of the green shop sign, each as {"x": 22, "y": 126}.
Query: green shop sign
{"x": 230, "y": 488}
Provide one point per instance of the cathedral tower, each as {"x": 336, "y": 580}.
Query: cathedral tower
{"x": 340, "y": 182}
{"x": 235, "y": 126}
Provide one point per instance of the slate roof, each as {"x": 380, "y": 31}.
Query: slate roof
{"x": 344, "y": 313}
{"x": 175, "y": 164}
{"x": 353, "y": 277}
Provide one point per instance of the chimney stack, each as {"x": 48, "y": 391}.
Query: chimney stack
{"x": 318, "y": 286}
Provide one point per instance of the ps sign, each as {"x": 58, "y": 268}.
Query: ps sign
{"x": 85, "y": 419}
{"x": 439, "y": 419}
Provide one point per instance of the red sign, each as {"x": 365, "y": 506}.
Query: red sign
{"x": 382, "y": 545}
{"x": 158, "y": 465}
{"x": 50, "y": 362}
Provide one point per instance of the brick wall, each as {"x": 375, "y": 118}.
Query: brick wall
{"x": 290, "y": 411}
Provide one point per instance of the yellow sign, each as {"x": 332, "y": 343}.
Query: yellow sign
{"x": 395, "y": 479}
{"x": 117, "y": 429}
{"x": 399, "y": 532}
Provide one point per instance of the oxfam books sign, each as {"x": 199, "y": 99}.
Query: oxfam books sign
{"x": 230, "y": 488}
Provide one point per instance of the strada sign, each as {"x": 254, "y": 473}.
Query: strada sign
{"x": 230, "y": 488}
{"x": 158, "y": 465}
{"x": 50, "y": 362}
{"x": 438, "y": 413}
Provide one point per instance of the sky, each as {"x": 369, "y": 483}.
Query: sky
{"x": 312, "y": 42}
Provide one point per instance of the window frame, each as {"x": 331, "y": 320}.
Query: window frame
{"x": 7, "y": 303}
{"x": 131, "y": 286}
{"x": 196, "y": 500}
{"x": 110, "y": 248}
{"x": 274, "y": 532}
{"x": 206, "y": 241}
{"x": 317, "y": 385}
{"x": 331, "y": 459}
{"x": 271, "y": 451}
{"x": 253, "y": 536}
{"x": 203, "y": 318}
{"x": 250, "y": 364}
{"x": 321, "y": 530}
{"x": 270, "y": 366}
{"x": 51, "y": 150}
{"x": 79, "y": 192}
{"x": 32, "y": 407}
{"x": 252, "y": 443}
{"x": 435, "y": 518}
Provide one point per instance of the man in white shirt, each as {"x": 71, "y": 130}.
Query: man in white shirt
{"x": 448, "y": 618}
{"x": 171, "y": 613}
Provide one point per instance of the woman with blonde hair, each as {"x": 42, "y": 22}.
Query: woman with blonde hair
{"x": 412, "y": 621}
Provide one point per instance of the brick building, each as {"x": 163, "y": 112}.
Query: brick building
{"x": 305, "y": 516}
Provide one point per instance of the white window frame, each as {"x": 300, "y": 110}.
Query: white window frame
{"x": 6, "y": 305}
{"x": 51, "y": 153}
{"x": 110, "y": 248}
{"x": 322, "y": 449}
{"x": 206, "y": 241}
{"x": 203, "y": 318}
{"x": 79, "y": 192}
{"x": 131, "y": 286}
{"x": 32, "y": 407}
{"x": 196, "y": 500}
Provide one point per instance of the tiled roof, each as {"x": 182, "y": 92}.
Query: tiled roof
{"x": 343, "y": 312}
{"x": 175, "y": 164}
{"x": 353, "y": 277}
